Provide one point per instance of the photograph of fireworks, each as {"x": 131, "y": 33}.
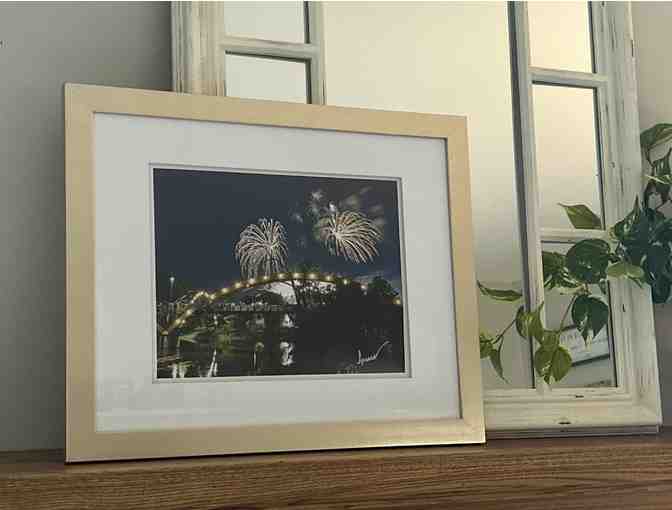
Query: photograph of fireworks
{"x": 265, "y": 274}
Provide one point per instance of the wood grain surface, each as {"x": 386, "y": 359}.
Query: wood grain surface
{"x": 576, "y": 473}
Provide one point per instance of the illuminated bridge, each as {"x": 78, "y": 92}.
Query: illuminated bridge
{"x": 204, "y": 298}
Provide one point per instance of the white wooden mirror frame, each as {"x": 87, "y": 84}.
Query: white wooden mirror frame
{"x": 634, "y": 404}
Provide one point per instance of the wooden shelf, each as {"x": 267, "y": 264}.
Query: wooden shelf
{"x": 574, "y": 473}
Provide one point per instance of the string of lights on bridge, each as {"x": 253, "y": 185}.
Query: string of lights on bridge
{"x": 263, "y": 280}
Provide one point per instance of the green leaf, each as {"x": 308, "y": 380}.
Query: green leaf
{"x": 639, "y": 231}
{"x": 655, "y": 217}
{"x": 570, "y": 291}
{"x": 499, "y": 294}
{"x": 587, "y": 260}
{"x": 662, "y": 230}
{"x": 654, "y": 136}
{"x": 485, "y": 343}
{"x": 529, "y": 324}
{"x": 634, "y": 228}
{"x": 551, "y": 360}
{"x": 536, "y": 328}
{"x": 590, "y": 314}
{"x": 649, "y": 191}
{"x": 522, "y": 322}
{"x": 660, "y": 289}
{"x": 556, "y": 274}
{"x": 561, "y": 363}
{"x": 581, "y": 217}
{"x": 496, "y": 361}
{"x": 550, "y": 340}
{"x": 659, "y": 179}
{"x": 542, "y": 361}
{"x": 665, "y": 179}
{"x": 656, "y": 259}
{"x": 624, "y": 270}
{"x": 661, "y": 166}
{"x": 552, "y": 263}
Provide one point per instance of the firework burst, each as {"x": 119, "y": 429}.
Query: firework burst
{"x": 349, "y": 234}
{"x": 262, "y": 248}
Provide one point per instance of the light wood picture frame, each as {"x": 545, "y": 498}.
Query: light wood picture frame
{"x": 85, "y": 441}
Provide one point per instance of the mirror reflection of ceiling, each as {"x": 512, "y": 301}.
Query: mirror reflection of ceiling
{"x": 439, "y": 57}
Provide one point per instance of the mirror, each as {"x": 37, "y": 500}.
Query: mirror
{"x": 454, "y": 57}
{"x": 244, "y": 72}
{"x": 565, "y": 133}
{"x": 560, "y": 35}
{"x": 445, "y": 57}
{"x": 272, "y": 21}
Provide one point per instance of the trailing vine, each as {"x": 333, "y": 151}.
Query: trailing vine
{"x": 638, "y": 249}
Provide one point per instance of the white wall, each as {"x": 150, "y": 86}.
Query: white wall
{"x": 652, "y": 22}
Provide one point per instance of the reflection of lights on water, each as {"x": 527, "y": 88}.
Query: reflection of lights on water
{"x": 286, "y": 356}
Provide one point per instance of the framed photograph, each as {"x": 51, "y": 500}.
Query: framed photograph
{"x": 305, "y": 279}
{"x": 253, "y": 276}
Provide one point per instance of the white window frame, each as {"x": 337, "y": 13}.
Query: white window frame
{"x": 200, "y": 45}
{"x": 634, "y": 404}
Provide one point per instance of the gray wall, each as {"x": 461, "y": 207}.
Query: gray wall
{"x": 652, "y": 22}
{"x": 46, "y": 45}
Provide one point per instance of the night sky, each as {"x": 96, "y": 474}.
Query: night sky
{"x": 199, "y": 216}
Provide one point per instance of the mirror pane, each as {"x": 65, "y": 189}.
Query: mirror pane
{"x": 560, "y": 35}
{"x": 592, "y": 361}
{"x": 273, "y": 21}
{"x": 565, "y": 131}
{"x": 266, "y": 78}
{"x": 420, "y": 57}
